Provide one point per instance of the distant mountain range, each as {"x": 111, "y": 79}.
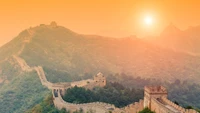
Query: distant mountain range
{"x": 187, "y": 41}
{"x": 68, "y": 56}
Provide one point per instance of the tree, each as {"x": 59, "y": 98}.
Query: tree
{"x": 175, "y": 102}
{"x": 189, "y": 107}
{"x": 146, "y": 110}
{"x": 113, "y": 93}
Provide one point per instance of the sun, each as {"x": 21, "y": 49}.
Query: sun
{"x": 148, "y": 20}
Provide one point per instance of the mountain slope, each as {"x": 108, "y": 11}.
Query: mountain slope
{"x": 187, "y": 41}
{"x": 68, "y": 56}
{"x": 19, "y": 90}
{"x": 59, "y": 49}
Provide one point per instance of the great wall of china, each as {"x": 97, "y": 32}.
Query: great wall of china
{"x": 155, "y": 97}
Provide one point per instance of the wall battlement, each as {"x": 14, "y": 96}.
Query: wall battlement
{"x": 155, "y": 89}
{"x": 179, "y": 108}
{"x": 98, "y": 107}
{"x": 155, "y": 98}
{"x": 98, "y": 80}
{"x": 132, "y": 108}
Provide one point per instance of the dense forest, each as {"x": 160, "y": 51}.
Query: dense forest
{"x": 21, "y": 93}
{"x": 113, "y": 93}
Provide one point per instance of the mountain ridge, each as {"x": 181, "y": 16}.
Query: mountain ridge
{"x": 186, "y": 41}
{"x": 51, "y": 42}
{"x": 67, "y": 56}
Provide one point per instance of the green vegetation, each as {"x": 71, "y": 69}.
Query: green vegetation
{"x": 62, "y": 50}
{"x": 46, "y": 106}
{"x": 184, "y": 93}
{"x": 190, "y": 107}
{"x": 78, "y": 95}
{"x": 63, "y": 76}
{"x": 113, "y": 93}
{"x": 198, "y": 110}
{"x": 67, "y": 56}
{"x": 146, "y": 110}
{"x": 7, "y": 70}
{"x": 21, "y": 93}
{"x": 13, "y": 46}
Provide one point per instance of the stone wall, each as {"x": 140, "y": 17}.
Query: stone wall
{"x": 97, "y": 107}
{"x": 82, "y": 83}
{"x": 160, "y": 108}
{"x": 155, "y": 98}
{"x": 131, "y": 108}
{"x": 183, "y": 110}
{"x": 99, "y": 80}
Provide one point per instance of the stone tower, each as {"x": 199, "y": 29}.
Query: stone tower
{"x": 153, "y": 92}
{"x": 53, "y": 24}
{"x": 100, "y": 80}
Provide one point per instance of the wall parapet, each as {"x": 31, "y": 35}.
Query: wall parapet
{"x": 155, "y": 98}
{"x": 158, "y": 107}
{"x": 100, "y": 107}
{"x": 183, "y": 110}
{"x": 155, "y": 89}
{"x": 132, "y": 108}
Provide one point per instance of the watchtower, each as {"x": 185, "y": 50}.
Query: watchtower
{"x": 153, "y": 92}
{"x": 53, "y": 24}
{"x": 100, "y": 80}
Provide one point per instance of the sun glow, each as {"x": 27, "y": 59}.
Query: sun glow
{"x": 148, "y": 20}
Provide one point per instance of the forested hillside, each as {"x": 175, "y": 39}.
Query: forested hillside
{"x": 68, "y": 56}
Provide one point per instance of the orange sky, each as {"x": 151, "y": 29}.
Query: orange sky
{"x": 116, "y": 18}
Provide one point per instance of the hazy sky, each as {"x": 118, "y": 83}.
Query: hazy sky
{"x": 116, "y": 18}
